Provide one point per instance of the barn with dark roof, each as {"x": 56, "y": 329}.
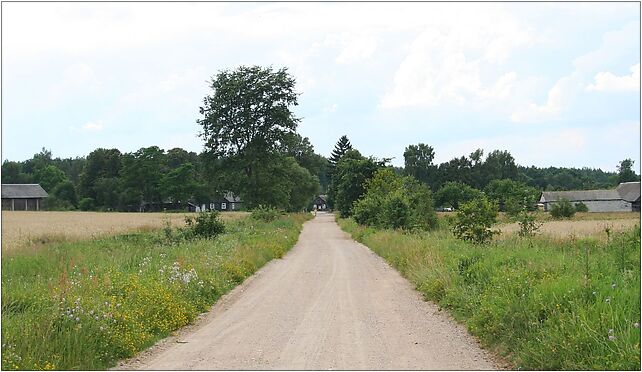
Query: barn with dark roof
{"x": 22, "y": 197}
{"x": 624, "y": 198}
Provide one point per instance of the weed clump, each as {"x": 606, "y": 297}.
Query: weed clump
{"x": 265, "y": 213}
{"x": 205, "y": 225}
{"x": 528, "y": 224}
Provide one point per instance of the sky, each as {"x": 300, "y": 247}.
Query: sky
{"x": 554, "y": 84}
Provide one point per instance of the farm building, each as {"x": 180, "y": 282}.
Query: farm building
{"x": 228, "y": 202}
{"x": 624, "y": 198}
{"x": 22, "y": 197}
{"x": 321, "y": 202}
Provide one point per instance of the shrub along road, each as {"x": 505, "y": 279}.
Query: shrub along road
{"x": 329, "y": 304}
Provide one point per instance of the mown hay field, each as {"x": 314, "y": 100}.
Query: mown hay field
{"x": 21, "y": 229}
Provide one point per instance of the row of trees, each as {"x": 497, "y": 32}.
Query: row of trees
{"x": 253, "y": 150}
{"x": 477, "y": 172}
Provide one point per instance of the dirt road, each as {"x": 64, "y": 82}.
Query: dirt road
{"x": 329, "y": 304}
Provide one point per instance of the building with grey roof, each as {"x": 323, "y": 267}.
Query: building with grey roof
{"x": 624, "y": 198}
{"x": 22, "y": 197}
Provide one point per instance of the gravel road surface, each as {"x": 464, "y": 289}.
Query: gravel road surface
{"x": 328, "y": 304}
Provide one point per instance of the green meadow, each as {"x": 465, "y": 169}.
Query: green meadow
{"x": 540, "y": 303}
{"x": 87, "y": 304}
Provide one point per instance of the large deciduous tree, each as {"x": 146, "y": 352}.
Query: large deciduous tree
{"x": 625, "y": 171}
{"x": 100, "y": 163}
{"x": 454, "y": 194}
{"x": 247, "y": 117}
{"x": 418, "y": 163}
{"x": 49, "y": 176}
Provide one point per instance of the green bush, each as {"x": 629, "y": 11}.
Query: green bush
{"x": 528, "y": 224}
{"x": 86, "y": 204}
{"x": 581, "y": 207}
{"x": 474, "y": 220}
{"x": 265, "y": 213}
{"x": 562, "y": 209}
{"x": 395, "y": 202}
{"x": 204, "y": 225}
{"x": 396, "y": 211}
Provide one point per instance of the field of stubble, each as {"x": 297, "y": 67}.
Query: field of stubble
{"x": 22, "y": 229}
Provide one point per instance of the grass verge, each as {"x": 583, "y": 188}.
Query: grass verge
{"x": 542, "y": 304}
{"x": 87, "y": 304}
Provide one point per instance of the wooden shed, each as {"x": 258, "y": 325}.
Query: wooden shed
{"x": 22, "y": 197}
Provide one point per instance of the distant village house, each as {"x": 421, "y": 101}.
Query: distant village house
{"x": 227, "y": 203}
{"x": 22, "y": 197}
{"x": 321, "y": 203}
{"x": 625, "y": 198}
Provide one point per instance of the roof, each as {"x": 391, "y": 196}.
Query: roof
{"x": 231, "y": 198}
{"x": 322, "y": 197}
{"x": 23, "y": 191}
{"x": 583, "y": 195}
{"x": 629, "y": 191}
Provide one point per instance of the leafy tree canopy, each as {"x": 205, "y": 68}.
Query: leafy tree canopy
{"x": 418, "y": 162}
{"x": 625, "y": 171}
{"x": 248, "y": 112}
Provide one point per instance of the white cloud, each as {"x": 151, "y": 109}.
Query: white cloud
{"x": 444, "y": 63}
{"x": 557, "y": 99}
{"x": 615, "y": 44}
{"x": 356, "y": 48}
{"x": 93, "y": 126}
{"x": 332, "y": 108}
{"x": 567, "y": 88}
{"x": 77, "y": 79}
{"x": 609, "y": 82}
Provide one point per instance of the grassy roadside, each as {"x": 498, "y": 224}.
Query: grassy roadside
{"x": 540, "y": 303}
{"x": 87, "y": 304}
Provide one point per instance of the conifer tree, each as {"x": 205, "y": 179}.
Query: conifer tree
{"x": 340, "y": 148}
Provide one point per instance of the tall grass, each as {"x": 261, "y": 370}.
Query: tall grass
{"x": 85, "y": 305}
{"x": 541, "y": 303}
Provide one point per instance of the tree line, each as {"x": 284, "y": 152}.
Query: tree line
{"x": 252, "y": 149}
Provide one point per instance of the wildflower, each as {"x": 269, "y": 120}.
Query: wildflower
{"x": 611, "y": 331}
{"x": 96, "y": 317}
{"x": 613, "y": 285}
{"x": 611, "y": 338}
{"x": 608, "y": 300}
{"x": 594, "y": 293}
{"x": 636, "y": 325}
{"x": 77, "y": 319}
{"x": 106, "y": 303}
